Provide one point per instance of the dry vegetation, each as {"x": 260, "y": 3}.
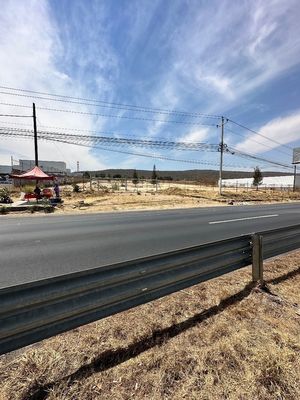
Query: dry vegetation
{"x": 221, "y": 339}
{"x": 113, "y": 197}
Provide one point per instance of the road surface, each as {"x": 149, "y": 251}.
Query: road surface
{"x": 46, "y": 246}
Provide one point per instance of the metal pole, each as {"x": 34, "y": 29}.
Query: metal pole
{"x": 221, "y": 156}
{"x": 257, "y": 258}
{"x": 295, "y": 173}
{"x": 35, "y": 137}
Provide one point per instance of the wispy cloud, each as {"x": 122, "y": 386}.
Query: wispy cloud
{"x": 34, "y": 56}
{"x": 198, "y": 135}
{"x": 212, "y": 57}
{"x": 231, "y": 48}
{"x": 283, "y": 130}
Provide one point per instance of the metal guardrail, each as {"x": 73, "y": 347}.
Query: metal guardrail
{"x": 41, "y": 309}
{"x": 280, "y": 240}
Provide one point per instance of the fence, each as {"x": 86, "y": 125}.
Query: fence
{"x": 41, "y": 309}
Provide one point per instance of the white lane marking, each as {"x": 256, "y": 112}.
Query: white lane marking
{"x": 243, "y": 219}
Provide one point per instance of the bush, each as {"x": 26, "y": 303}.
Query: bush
{"x": 28, "y": 189}
{"x": 48, "y": 209}
{"x": 4, "y": 196}
{"x": 3, "y": 210}
{"x": 76, "y": 188}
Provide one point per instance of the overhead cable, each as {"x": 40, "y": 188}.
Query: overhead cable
{"x": 259, "y": 134}
{"x": 131, "y": 106}
{"x": 111, "y": 115}
{"x": 253, "y": 140}
{"x": 254, "y": 157}
{"x": 117, "y": 141}
{"x": 15, "y": 115}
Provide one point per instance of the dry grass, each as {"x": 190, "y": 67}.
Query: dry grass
{"x": 170, "y": 196}
{"x": 216, "y": 340}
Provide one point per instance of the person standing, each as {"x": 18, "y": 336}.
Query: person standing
{"x": 37, "y": 192}
{"x": 56, "y": 190}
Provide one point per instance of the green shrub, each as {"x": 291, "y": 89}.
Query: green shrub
{"x": 28, "y": 188}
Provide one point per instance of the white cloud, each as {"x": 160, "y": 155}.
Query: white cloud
{"x": 283, "y": 130}
{"x": 30, "y": 55}
{"x": 198, "y": 135}
{"x": 228, "y": 51}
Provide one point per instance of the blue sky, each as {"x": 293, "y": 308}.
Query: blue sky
{"x": 240, "y": 59}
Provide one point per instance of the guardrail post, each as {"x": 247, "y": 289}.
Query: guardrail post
{"x": 257, "y": 258}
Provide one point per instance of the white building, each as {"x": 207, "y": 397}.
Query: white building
{"x": 49, "y": 167}
{"x": 5, "y": 169}
{"x": 269, "y": 181}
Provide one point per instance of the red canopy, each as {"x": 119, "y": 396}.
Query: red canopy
{"x": 34, "y": 174}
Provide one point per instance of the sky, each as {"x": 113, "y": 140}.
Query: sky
{"x": 237, "y": 59}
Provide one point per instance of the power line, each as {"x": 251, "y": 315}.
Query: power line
{"x": 15, "y": 115}
{"x": 118, "y": 107}
{"x": 147, "y": 155}
{"x": 127, "y": 107}
{"x": 259, "y": 134}
{"x": 110, "y": 115}
{"x": 118, "y": 141}
{"x": 132, "y": 107}
{"x": 94, "y": 141}
{"x": 253, "y": 140}
{"x": 252, "y": 156}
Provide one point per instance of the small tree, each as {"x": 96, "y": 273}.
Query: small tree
{"x": 135, "y": 178}
{"x": 257, "y": 177}
{"x": 86, "y": 174}
{"x": 154, "y": 176}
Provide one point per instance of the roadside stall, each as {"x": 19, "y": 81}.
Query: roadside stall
{"x": 37, "y": 175}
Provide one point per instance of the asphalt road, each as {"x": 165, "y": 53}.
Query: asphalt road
{"x": 32, "y": 248}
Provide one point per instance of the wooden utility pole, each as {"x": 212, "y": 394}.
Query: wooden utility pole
{"x": 35, "y": 137}
{"x": 221, "y": 148}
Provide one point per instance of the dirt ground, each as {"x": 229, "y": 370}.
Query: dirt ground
{"x": 222, "y": 339}
{"x": 166, "y": 197}
{"x": 104, "y": 197}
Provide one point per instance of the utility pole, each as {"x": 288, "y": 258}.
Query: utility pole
{"x": 35, "y": 137}
{"x": 221, "y": 149}
{"x": 295, "y": 174}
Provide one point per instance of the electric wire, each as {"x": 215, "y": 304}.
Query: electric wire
{"x": 134, "y": 107}
{"x": 110, "y": 115}
{"x": 259, "y": 134}
{"x": 253, "y": 140}
{"x": 118, "y": 107}
{"x": 15, "y": 115}
{"x": 89, "y": 141}
{"x": 147, "y": 155}
{"x": 114, "y": 140}
{"x": 252, "y": 156}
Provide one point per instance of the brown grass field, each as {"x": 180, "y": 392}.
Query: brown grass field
{"x": 222, "y": 339}
{"x": 113, "y": 197}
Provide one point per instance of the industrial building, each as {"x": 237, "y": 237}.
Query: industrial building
{"x": 285, "y": 181}
{"x": 49, "y": 167}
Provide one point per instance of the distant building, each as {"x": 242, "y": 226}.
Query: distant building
{"x": 5, "y": 170}
{"x": 49, "y": 167}
{"x": 268, "y": 181}
{"x": 5, "y": 181}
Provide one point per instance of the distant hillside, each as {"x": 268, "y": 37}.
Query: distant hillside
{"x": 206, "y": 176}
